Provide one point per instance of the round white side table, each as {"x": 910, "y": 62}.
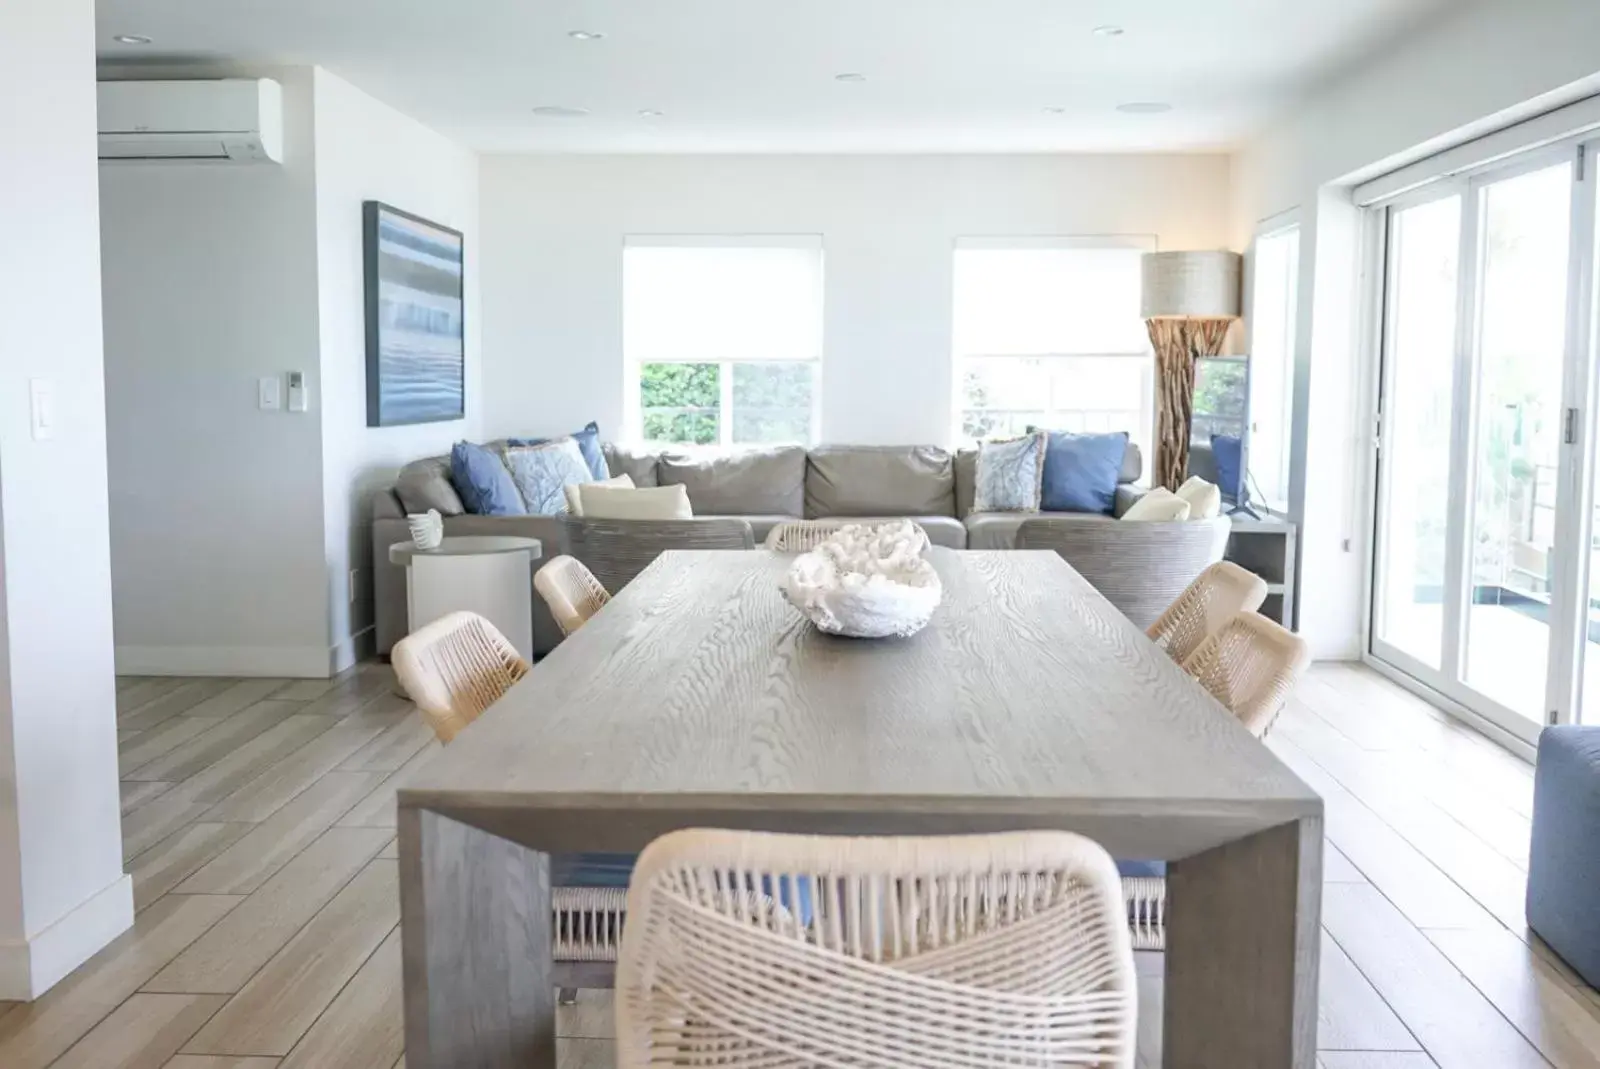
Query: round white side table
{"x": 490, "y": 575}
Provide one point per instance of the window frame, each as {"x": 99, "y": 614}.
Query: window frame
{"x": 1275, "y": 497}
{"x": 632, "y": 407}
{"x": 1144, "y": 436}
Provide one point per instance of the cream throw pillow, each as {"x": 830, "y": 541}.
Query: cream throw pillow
{"x": 575, "y": 503}
{"x": 645, "y": 503}
{"x": 1205, "y": 499}
{"x": 1158, "y": 506}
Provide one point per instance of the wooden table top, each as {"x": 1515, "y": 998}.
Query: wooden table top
{"x": 1028, "y": 694}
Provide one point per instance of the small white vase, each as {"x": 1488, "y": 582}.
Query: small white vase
{"x": 427, "y": 529}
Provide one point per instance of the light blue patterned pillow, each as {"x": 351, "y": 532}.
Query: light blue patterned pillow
{"x": 540, "y": 471}
{"x": 1010, "y": 475}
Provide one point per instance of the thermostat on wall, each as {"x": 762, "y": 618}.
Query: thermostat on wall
{"x": 297, "y": 391}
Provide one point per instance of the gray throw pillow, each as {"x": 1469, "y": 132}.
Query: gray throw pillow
{"x": 1010, "y": 475}
{"x": 541, "y": 471}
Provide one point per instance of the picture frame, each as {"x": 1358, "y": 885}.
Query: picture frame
{"x": 415, "y": 316}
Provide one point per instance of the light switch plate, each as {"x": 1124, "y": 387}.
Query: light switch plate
{"x": 42, "y": 407}
{"x": 269, "y": 393}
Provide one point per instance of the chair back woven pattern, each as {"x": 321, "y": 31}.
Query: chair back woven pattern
{"x": 455, "y": 668}
{"x": 752, "y": 951}
{"x": 802, "y": 536}
{"x": 1250, "y": 666}
{"x": 1141, "y": 568}
{"x": 571, "y": 591}
{"x": 1220, "y": 593}
{"x": 616, "y": 551}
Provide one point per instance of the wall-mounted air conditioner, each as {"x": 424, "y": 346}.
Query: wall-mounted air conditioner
{"x": 224, "y": 120}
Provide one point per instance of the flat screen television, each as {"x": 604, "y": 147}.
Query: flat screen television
{"x": 1219, "y": 436}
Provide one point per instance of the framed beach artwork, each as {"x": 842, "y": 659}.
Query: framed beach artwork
{"x": 416, "y": 348}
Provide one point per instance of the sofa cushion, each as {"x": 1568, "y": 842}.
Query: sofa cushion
{"x": 966, "y": 471}
{"x": 1227, "y": 463}
{"x": 881, "y": 480}
{"x": 946, "y": 531}
{"x": 1158, "y": 506}
{"x": 484, "y": 482}
{"x": 425, "y": 484}
{"x": 1205, "y": 500}
{"x": 1081, "y": 471}
{"x": 542, "y": 471}
{"x": 760, "y": 525}
{"x": 575, "y": 502}
{"x": 588, "y": 440}
{"x": 1132, "y": 464}
{"x": 998, "y": 530}
{"x": 755, "y": 481}
{"x": 636, "y": 465}
{"x": 647, "y": 503}
{"x": 1010, "y": 474}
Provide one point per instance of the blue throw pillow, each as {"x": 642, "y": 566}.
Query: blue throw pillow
{"x": 542, "y": 471}
{"x": 1227, "y": 452}
{"x": 588, "y": 441}
{"x": 483, "y": 481}
{"x": 1080, "y": 471}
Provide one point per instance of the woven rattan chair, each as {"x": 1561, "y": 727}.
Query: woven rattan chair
{"x": 616, "y": 551}
{"x": 1141, "y": 568}
{"x": 1223, "y": 591}
{"x": 455, "y": 668}
{"x": 747, "y": 950}
{"x": 802, "y": 536}
{"x": 1250, "y": 666}
{"x": 571, "y": 591}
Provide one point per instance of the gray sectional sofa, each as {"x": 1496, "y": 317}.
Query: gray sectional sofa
{"x": 764, "y": 487}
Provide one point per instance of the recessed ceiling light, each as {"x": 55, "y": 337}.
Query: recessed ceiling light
{"x": 1144, "y": 107}
{"x": 850, "y": 76}
{"x": 560, "y": 111}
{"x": 1108, "y": 31}
{"x": 585, "y": 35}
{"x": 1056, "y": 109}
{"x": 131, "y": 39}
{"x": 650, "y": 113}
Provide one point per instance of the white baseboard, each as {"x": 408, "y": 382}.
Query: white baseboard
{"x": 31, "y": 967}
{"x": 361, "y": 646}
{"x": 294, "y": 662}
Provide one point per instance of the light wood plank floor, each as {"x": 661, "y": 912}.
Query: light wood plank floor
{"x": 259, "y": 830}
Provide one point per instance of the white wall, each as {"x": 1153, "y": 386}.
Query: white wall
{"x": 1485, "y": 66}
{"x": 552, "y": 262}
{"x": 234, "y": 530}
{"x": 216, "y": 507}
{"x": 366, "y": 150}
{"x": 62, "y": 892}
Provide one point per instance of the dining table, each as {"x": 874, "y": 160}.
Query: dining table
{"x": 699, "y": 697}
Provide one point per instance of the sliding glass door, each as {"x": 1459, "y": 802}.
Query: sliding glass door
{"x": 1482, "y": 500}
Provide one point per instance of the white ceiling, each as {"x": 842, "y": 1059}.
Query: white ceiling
{"x": 758, "y": 75}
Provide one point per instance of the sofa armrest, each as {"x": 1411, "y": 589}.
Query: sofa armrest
{"x": 1128, "y": 495}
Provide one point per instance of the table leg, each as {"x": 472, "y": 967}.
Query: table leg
{"x": 1242, "y": 952}
{"x": 475, "y": 927}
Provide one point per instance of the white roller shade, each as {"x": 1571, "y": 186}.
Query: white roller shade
{"x": 1047, "y": 301}
{"x": 702, "y": 302}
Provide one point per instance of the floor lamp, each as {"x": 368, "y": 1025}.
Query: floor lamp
{"x": 1189, "y": 301}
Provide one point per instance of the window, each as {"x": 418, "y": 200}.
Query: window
{"x": 1273, "y": 310}
{"x": 1048, "y": 333}
{"x": 723, "y": 339}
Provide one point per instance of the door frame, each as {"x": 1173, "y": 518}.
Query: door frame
{"x": 1574, "y": 522}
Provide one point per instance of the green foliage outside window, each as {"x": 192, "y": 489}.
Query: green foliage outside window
{"x": 681, "y": 402}
{"x": 771, "y": 403}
